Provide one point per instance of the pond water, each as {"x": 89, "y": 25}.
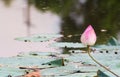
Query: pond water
{"x": 69, "y": 21}
{"x": 54, "y": 26}
{"x": 16, "y": 27}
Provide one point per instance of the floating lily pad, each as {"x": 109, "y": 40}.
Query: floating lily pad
{"x": 39, "y": 54}
{"x": 68, "y": 45}
{"x": 5, "y": 71}
{"x": 67, "y": 71}
{"x": 106, "y": 47}
{"x": 32, "y": 39}
{"x": 77, "y": 64}
{"x": 48, "y": 35}
{"x": 24, "y": 61}
{"x": 39, "y": 38}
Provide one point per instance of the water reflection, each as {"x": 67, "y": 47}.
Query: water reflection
{"x": 78, "y": 14}
{"x": 102, "y": 15}
{"x": 68, "y": 17}
{"x": 13, "y": 25}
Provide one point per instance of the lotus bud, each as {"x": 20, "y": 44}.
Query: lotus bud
{"x": 88, "y": 37}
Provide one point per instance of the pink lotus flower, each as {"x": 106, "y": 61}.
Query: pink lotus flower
{"x": 89, "y": 36}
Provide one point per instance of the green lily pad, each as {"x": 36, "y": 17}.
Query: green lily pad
{"x": 38, "y": 54}
{"x": 32, "y": 39}
{"x": 25, "y": 61}
{"x": 48, "y": 35}
{"x": 105, "y": 47}
{"x": 66, "y": 71}
{"x": 75, "y": 63}
{"x": 5, "y": 71}
{"x": 39, "y": 38}
{"x": 68, "y": 45}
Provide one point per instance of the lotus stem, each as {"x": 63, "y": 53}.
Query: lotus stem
{"x": 63, "y": 64}
{"x": 99, "y": 62}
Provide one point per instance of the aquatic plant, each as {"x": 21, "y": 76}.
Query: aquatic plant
{"x": 88, "y": 38}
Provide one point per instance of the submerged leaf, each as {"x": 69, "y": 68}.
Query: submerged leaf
{"x": 101, "y": 74}
{"x": 113, "y": 41}
{"x": 58, "y": 62}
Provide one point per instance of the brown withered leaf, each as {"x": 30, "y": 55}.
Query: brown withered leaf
{"x": 35, "y": 73}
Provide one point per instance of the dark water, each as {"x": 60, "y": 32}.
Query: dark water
{"x": 102, "y": 15}
{"x": 76, "y": 15}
